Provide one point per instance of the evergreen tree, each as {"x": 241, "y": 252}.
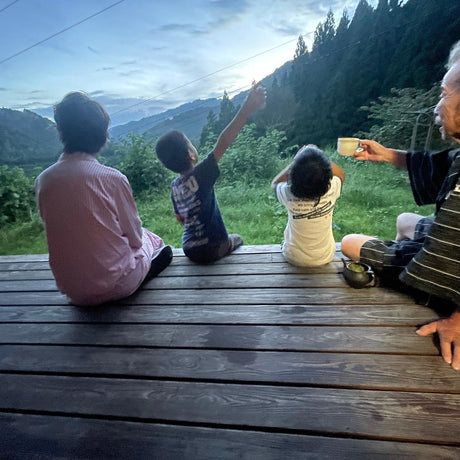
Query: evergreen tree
{"x": 226, "y": 113}
{"x": 324, "y": 33}
{"x": 301, "y": 48}
{"x": 209, "y": 129}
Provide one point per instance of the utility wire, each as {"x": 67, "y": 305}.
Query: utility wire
{"x": 7, "y": 6}
{"x": 315, "y": 59}
{"x": 145, "y": 122}
{"x": 203, "y": 77}
{"x": 60, "y": 32}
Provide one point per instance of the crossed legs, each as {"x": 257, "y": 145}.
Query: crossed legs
{"x": 405, "y": 229}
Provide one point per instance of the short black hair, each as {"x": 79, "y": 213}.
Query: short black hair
{"x": 173, "y": 151}
{"x": 310, "y": 174}
{"x": 82, "y": 123}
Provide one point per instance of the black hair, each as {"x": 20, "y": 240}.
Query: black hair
{"x": 81, "y": 123}
{"x": 310, "y": 174}
{"x": 173, "y": 151}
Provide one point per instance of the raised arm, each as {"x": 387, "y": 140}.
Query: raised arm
{"x": 373, "y": 151}
{"x": 281, "y": 177}
{"x": 254, "y": 101}
{"x": 338, "y": 171}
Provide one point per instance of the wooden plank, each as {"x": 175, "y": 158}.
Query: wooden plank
{"x": 378, "y": 315}
{"x": 285, "y": 296}
{"x": 199, "y": 270}
{"x": 301, "y": 338}
{"x": 177, "y": 260}
{"x": 341, "y": 370}
{"x": 19, "y": 275}
{"x": 37, "y": 436}
{"x": 203, "y": 282}
{"x": 39, "y": 265}
{"x": 246, "y": 249}
{"x": 401, "y": 416}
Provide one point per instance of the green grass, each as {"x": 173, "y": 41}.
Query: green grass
{"x": 23, "y": 238}
{"x": 372, "y": 197}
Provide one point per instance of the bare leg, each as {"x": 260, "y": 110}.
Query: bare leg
{"x": 405, "y": 225}
{"x": 351, "y": 245}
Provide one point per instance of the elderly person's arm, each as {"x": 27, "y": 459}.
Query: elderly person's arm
{"x": 373, "y": 151}
{"x": 448, "y": 330}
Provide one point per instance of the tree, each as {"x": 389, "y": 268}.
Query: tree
{"x": 395, "y": 117}
{"x": 16, "y": 195}
{"x": 208, "y": 131}
{"x": 226, "y": 113}
{"x": 301, "y": 48}
{"x": 141, "y": 165}
{"x": 324, "y": 33}
{"x": 251, "y": 158}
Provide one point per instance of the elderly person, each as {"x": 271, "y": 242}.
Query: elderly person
{"x": 426, "y": 250}
{"x": 98, "y": 250}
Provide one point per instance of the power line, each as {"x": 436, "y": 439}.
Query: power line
{"x": 7, "y": 6}
{"x": 203, "y": 77}
{"x": 315, "y": 59}
{"x": 60, "y": 32}
{"x": 140, "y": 125}
{"x": 245, "y": 60}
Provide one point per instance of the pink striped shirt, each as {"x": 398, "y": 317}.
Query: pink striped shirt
{"x": 98, "y": 250}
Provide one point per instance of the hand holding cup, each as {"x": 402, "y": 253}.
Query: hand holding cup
{"x": 348, "y": 146}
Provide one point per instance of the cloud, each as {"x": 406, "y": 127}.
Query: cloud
{"x": 105, "y": 69}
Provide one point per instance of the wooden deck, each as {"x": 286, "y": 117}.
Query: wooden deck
{"x": 247, "y": 358}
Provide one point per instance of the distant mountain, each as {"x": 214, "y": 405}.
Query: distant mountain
{"x": 26, "y": 138}
{"x": 188, "y": 118}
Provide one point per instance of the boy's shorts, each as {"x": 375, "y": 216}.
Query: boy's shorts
{"x": 386, "y": 255}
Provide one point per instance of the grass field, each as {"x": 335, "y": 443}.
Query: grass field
{"x": 373, "y": 196}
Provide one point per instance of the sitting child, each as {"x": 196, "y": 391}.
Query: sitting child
{"x": 98, "y": 250}
{"x": 314, "y": 185}
{"x": 205, "y": 238}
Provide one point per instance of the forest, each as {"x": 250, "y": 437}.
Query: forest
{"x": 370, "y": 75}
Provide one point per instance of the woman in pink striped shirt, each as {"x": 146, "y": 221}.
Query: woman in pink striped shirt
{"x": 98, "y": 250}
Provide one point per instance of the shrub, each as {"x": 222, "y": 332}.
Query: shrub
{"x": 16, "y": 195}
{"x": 141, "y": 165}
{"x": 252, "y": 158}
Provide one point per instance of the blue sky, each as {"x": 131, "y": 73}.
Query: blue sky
{"x": 160, "y": 51}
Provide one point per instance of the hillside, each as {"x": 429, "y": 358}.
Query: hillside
{"x": 317, "y": 97}
{"x": 26, "y": 138}
{"x": 189, "y": 118}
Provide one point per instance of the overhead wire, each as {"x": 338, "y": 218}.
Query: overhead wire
{"x": 7, "y": 6}
{"x": 60, "y": 32}
{"x": 203, "y": 77}
{"x": 145, "y": 122}
{"x": 195, "y": 80}
{"x": 252, "y": 57}
{"x": 314, "y": 60}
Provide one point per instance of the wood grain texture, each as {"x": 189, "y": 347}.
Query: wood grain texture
{"x": 80, "y": 438}
{"x": 365, "y": 412}
{"x": 377, "y": 315}
{"x": 354, "y": 370}
{"x": 249, "y": 358}
{"x": 302, "y": 338}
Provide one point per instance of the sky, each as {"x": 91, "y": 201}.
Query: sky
{"x": 141, "y": 57}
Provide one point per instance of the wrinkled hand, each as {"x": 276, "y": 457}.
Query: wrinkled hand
{"x": 449, "y": 337}
{"x": 372, "y": 151}
{"x": 257, "y": 97}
